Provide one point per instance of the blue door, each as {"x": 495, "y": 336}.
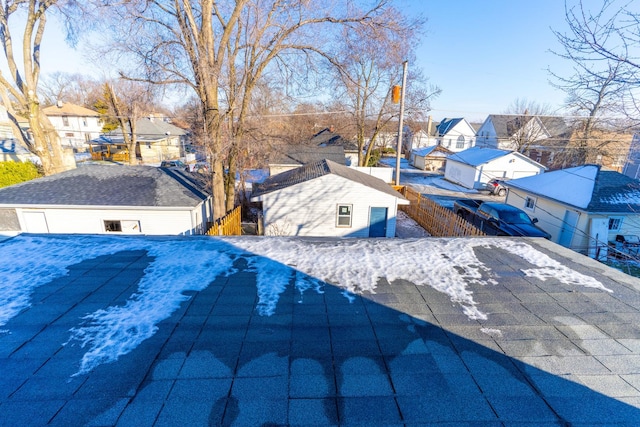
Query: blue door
{"x": 378, "y": 222}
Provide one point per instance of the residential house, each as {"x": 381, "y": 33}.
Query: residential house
{"x": 158, "y": 140}
{"x": 455, "y": 134}
{"x": 414, "y": 136}
{"x": 325, "y": 198}
{"x": 327, "y": 138}
{"x": 11, "y": 149}
{"x": 430, "y": 158}
{"x": 107, "y": 199}
{"x": 474, "y": 167}
{"x": 287, "y": 157}
{"x": 583, "y": 207}
{"x": 539, "y": 137}
{"x": 76, "y": 125}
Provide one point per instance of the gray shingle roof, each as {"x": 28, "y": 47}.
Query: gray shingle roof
{"x": 97, "y": 185}
{"x": 317, "y": 170}
{"x": 327, "y": 138}
{"x": 446, "y": 125}
{"x": 587, "y": 187}
{"x": 303, "y": 154}
{"x": 506, "y": 125}
{"x": 150, "y": 130}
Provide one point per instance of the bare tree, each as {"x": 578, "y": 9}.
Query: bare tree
{"x": 369, "y": 63}
{"x": 192, "y": 41}
{"x": 609, "y": 36}
{"x": 603, "y": 73}
{"x": 531, "y": 124}
{"x": 74, "y": 88}
{"x": 19, "y": 89}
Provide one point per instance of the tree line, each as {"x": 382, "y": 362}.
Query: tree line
{"x": 243, "y": 65}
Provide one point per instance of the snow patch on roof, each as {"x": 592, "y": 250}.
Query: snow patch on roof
{"x": 180, "y": 265}
{"x": 573, "y": 186}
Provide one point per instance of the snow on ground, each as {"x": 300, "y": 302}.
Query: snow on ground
{"x": 406, "y": 227}
{"x": 189, "y": 264}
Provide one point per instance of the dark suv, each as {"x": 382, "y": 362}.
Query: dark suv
{"x": 496, "y": 187}
{"x": 172, "y": 164}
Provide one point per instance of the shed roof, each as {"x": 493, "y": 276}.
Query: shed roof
{"x": 303, "y": 154}
{"x": 98, "y": 185}
{"x": 585, "y": 187}
{"x": 476, "y": 156}
{"x": 316, "y": 170}
{"x": 326, "y": 138}
{"x": 434, "y": 150}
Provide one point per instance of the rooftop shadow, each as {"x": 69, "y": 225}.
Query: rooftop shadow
{"x": 322, "y": 357}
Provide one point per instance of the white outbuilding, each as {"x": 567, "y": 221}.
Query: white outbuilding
{"x": 325, "y": 198}
{"x": 97, "y": 199}
{"x": 474, "y": 167}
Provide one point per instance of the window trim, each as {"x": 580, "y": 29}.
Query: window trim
{"x": 527, "y": 205}
{"x": 619, "y": 219}
{"x": 339, "y": 215}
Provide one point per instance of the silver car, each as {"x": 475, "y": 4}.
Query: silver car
{"x": 496, "y": 187}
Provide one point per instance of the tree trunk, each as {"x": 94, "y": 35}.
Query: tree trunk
{"x": 214, "y": 139}
{"x": 47, "y": 142}
{"x": 230, "y": 184}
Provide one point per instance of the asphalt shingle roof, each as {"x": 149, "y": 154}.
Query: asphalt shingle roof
{"x": 549, "y": 353}
{"x": 586, "y": 187}
{"x": 316, "y": 170}
{"x": 476, "y": 156}
{"x": 303, "y": 154}
{"x": 69, "y": 110}
{"x": 327, "y": 138}
{"x": 150, "y": 130}
{"x": 97, "y": 185}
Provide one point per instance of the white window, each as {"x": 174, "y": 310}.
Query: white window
{"x": 65, "y": 121}
{"x": 615, "y": 223}
{"x": 122, "y": 226}
{"x": 344, "y": 215}
{"x": 530, "y": 203}
{"x": 460, "y": 142}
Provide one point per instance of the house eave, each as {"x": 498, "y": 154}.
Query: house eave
{"x": 101, "y": 207}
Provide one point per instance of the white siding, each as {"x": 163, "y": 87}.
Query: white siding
{"x": 309, "y": 208}
{"x": 509, "y": 166}
{"x": 91, "y": 221}
{"x": 550, "y": 214}
{"x": 385, "y": 174}
{"x": 460, "y": 173}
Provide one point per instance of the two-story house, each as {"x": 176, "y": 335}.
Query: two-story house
{"x": 76, "y": 125}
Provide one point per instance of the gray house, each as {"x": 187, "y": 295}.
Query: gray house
{"x": 325, "y": 198}
{"x": 100, "y": 199}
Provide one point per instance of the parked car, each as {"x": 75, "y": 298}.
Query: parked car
{"x": 498, "y": 219}
{"x": 200, "y": 167}
{"x": 496, "y": 186}
{"x": 173, "y": 164}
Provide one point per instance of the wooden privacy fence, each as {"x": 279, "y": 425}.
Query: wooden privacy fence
{"x": 229, "y": 225}
{"x": 437, "y": 220}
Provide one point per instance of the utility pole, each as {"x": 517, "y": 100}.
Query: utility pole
{"x": 400, "y": 122}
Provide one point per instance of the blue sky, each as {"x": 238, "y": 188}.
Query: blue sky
{"x": 485, "y": 54}
{"x": 482, "y": 54}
